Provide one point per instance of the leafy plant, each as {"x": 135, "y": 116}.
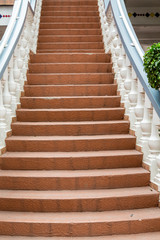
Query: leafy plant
{"x": 152, "y": 65}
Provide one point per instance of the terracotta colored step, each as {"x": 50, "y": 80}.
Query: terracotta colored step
{"x": 68, "y": 38}
{"x": 70, "y": 19}
{"x": 69, "y": 129}
{"x": 65, "y": 115}
{"x": 69, "y": 25}
{"x": 70, "y": 57}
{"x": 70, "y": 2}
{"x": 70, "y": 13}
{"x": 78, "y": 200}
{"x": 70, "y": 45}
{"x": 71, "y": 160}
{"x": 70, "y": 67}
{"x": 80, "y": 224}
{"x": 79, "y": 32}
{"x": 74, "y": 180}
{"x": 68, "y": 8}
{"x": 70, "y": 143}
{"x": 139, "y": 236}
{"x": 70, "y": 102}
{"x": 71, "y": 79}
{"x": 70, "y": 51}
{"x": 70, "y": 90}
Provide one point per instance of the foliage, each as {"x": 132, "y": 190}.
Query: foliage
{"x": 152, "y": 65}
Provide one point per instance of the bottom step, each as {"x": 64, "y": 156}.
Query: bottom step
{"x": 80, "y": 224}
{"x": 140, "y": 236}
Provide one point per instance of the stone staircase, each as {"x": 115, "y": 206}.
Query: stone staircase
{"x": 71, "y": 169}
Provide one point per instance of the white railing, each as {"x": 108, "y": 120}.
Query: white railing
{"x": 144, "y": 120}
{"x": 14, "y": 57}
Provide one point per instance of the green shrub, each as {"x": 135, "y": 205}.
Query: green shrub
{"x": 152, "y": 65}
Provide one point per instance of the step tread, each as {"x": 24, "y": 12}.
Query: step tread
{"x": 82, "y": 217}
{"x": 74, "y": 138}
{"x": 78, "y": 194}
{"x": 71, "y": 109}
{"x": 70, "y": 154}
{"x": 71, "y": 173}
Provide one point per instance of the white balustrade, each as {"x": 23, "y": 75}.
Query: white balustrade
{"x": 144, "y": 121}
{"x": 14, "y": 77}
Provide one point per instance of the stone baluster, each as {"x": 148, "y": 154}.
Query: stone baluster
{"x": 12, "y": 87}
{"x": 146, "y": 127}
{"x": 7, "y": 98}
{"x": 123, "y": 74}
{"x": 16, "y": 74}
{"x": 2, "y": 119}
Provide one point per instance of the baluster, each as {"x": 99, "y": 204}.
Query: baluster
{"x": 16, "y": 74}
{"x": 123, "y": 74}
{"x": 2, "y": 120}
{"x": 139, "y": 111}
{"x": 7, "y": 98}
{"x": 146, "y": 128}
{"x": 127, "y": 86}
{"x": 12, "y": 88}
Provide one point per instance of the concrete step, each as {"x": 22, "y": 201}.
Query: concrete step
{"x": 69, "y": 129}
{"x": 69, "y": 78}
{"x": 70, "y": 143}
{"x": 70, "y": 25}
{"x": 71, "y": 13}
{"x": 68, "y": 8}
{"x": 71, "y": 115}
{"x": 70, "y": 50}
{"x": 78, "y": 200}
{"x": 70, "y": 3}
{"x": 71, "y": 160}
{"x": 74, "y": 180}
{"x": 78, "y": 32}
{"x": 74, "y": 19}
{"x": 48, "y": 39}
{"x": 70, "y": 90}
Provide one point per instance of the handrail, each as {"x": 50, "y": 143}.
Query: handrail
{"x": 134, "y": 53}
{"x": 11, "y": 25}
{"x": 13, "y": 31}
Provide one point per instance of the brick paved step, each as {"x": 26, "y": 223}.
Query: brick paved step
{"x": 69, "y": 129}
{"x": 68, "y": 8}
{"x": 80, "y": 224}
{"x": 69, "y": 25}
{"x": 48, "y": 39}
{"x": 70, "y": 102}
{"x": 70, "y": 143}
{"x": 65, "y": 115}
{"x": 69, "y": 78}
{"x": 70, "y": 51}
{"x": 74, "y": 180}
{"x": 70, "y": 57}
{"x": 60, "y": 19}
{"x": 70, "y": 67}
{"x": 71, "y": 160}
{"x": 78, "y": 200}
{"x": 71, "y": 2}
{"x": 139, "y": 236}
{"x": 70, "y": 90}
{"x": 69, "y": 32}
{"x": 70, "y": 45}
{"x": 70, "y": 13}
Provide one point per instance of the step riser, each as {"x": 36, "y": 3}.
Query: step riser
{"x": 70, "y": 130}
{"x": 78, "y": 32}
{"x": 52, "y": 91}
{"x": 52, "y": 19}
{"x": 69, "y": 145}
{"x": 75, "y": 229}
{"x": 78, "y": 205}
{"x": 55, "y": 183}
{"x": 71, "y": 163}
{"x": 61, "y": 116}
{"x": 79, "y": 39}
{"x": 69, "y": 25}
{"x": 68, "y": 58}
{"x": 71, "y": 68}
{"x": 69, "y": 79}
{"x": 70, "y": 8}
{"x": 70, "y": 13}
{"x": 70, "y": 51}
{"x": 69, "y": 45}
{"x": 33, "y": 103}
{"x": 69, "y": 3}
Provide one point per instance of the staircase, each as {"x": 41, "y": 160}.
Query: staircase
{"x": 71, "y": 168}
